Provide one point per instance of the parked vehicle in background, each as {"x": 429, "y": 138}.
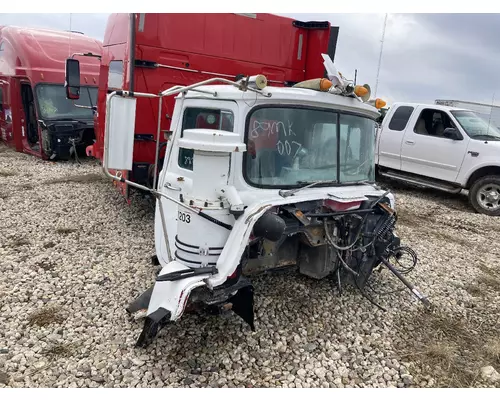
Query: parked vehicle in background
{"x": 35, "y": 115}
{"x": 488, "y": 112}
{"x": 154, "y": 52}
{"x": 442, "y": 147}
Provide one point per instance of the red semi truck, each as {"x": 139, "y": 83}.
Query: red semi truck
{"x": 35, "y": 115}
{"x": 153, "y": 52}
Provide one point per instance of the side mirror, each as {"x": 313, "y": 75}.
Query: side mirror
{"x": 72, "y": 79}
{"x": 119, "y": 131}
{"x": 452, "y": 133}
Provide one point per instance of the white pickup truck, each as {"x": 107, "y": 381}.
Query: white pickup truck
{"x": 442, "y": 147}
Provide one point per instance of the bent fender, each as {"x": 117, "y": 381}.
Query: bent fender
{"x": 167, "y": 302}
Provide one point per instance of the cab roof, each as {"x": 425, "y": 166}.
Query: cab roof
{"x": 287, "y": 95}
{"x": 31, "y": 52}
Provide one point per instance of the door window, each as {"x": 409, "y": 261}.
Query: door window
{"x": 433, "y": 123}
{"x": 400, "y": 118}
{"x": 203, "y": 118}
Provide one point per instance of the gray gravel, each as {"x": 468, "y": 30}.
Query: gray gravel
{"x": 73, "y": 254}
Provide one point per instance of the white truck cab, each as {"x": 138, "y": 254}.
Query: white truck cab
{"x": 442, "y": 147}
{"x": 255, "y": 179}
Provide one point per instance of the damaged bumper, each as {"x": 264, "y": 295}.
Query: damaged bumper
{"x": 167, "y": 300}
{"x": 347, "y": 244}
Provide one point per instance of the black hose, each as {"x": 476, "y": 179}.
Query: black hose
{"x": 215, "y": 221}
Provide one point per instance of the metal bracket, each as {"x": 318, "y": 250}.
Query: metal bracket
{"x": 144, "y": 137}
{"x": 186, "y": 273}
{"x": 145, "y": 64}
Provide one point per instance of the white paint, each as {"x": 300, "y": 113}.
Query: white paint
{"x": 216, "y": 184}
{"x": 433, "y": 157}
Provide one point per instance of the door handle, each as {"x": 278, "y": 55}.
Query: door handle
{"x": 410, "y": 142}
{"x": 168, "y": 185}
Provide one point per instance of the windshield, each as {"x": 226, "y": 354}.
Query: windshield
{"x": 297, "y": 146}
{"x": 53, "y": 104}
{"x": 475, "y": 126}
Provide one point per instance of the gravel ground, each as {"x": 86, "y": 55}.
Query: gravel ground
{"x": 73, "y": 254}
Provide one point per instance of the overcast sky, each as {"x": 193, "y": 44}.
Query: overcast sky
{"x": 425, "y": 56}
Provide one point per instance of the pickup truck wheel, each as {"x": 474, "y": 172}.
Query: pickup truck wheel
{"x": 484, "y": 195}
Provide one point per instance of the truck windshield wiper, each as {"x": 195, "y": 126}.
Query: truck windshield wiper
{"x": 66, "y": 119}
{"x": 291, "y": 192}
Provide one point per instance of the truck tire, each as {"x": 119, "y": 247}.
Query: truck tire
{"x": 484, "y": 195}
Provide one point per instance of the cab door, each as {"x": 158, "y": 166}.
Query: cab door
{"x": 391, "y": 137}
{"x": 426, "y": 151}
{"x": 177, "y": 175}
{"x": 3, "y": 112}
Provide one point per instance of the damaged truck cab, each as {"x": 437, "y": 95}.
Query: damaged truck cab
{"x": 287, "y": 180}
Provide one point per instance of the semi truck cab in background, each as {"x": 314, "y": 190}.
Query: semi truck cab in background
{"x": 35, "y": 116}
{"x": 442, "y": 147}
{"x": 154, "y": 52}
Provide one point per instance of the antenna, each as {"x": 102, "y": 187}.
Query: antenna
{"x": 491, "y": 112}
{"x": 69, "y": 35}
{"x": 355, "y": 76}
{"x": 380, "y": 55}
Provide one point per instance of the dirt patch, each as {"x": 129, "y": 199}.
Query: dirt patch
{"x": 4, "y": 378}
{"x": 46, "y": 265}
{"x": 45, "y": 317}
{"x": 65, "y": 230}
{"x": 488, "y": 270}
{"x": 450, "y": 238}
{"x": 490, "y": 281}
{"x": 26, "y": 186}
{"x": 86, "y": 178}
{"x": 7, "y": 173}
{"x": 59, "y": 351}
{"x": 450, "y": 348}
{"x": 473, "y": 289}
{"x": 18, "y": 242}
{"x": 492, "y": 349}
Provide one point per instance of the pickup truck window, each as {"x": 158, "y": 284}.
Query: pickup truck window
{"x": 433, "y": 123}
{"x": 291, "y": 146}
{"x": 400, "y": 118}
{"x": 202, "y": 118}
{"x": 475, "y": 126}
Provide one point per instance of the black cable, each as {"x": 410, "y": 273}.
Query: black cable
{"x": 363, "y": 293}
{"x": 368, "y": 297}
{"x": 411, "y": 252}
